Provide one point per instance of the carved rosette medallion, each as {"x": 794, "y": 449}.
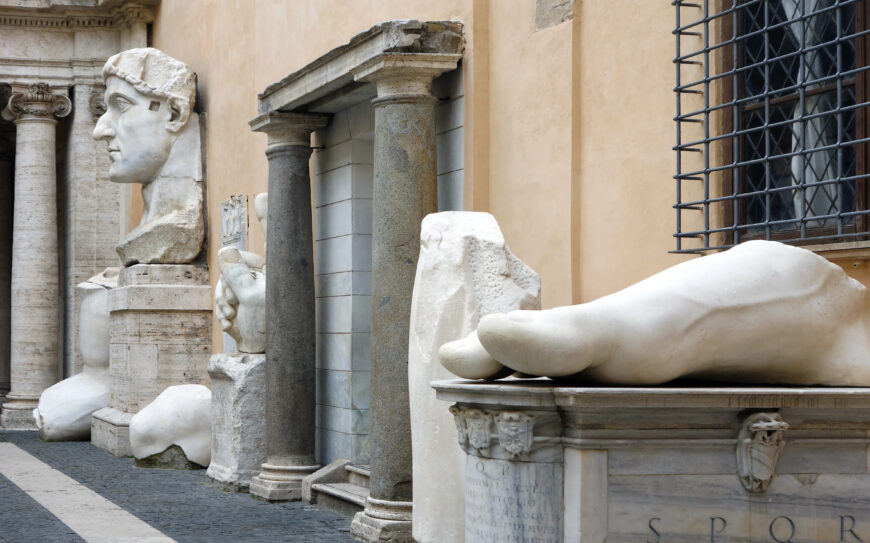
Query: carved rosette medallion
{"x": 37, "y": 101}
{"x": 487, "y": 433}
{"x": 759, "y": 443}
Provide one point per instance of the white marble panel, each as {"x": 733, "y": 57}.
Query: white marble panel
{"x": 450, "y": 186}
{"x": 333, "y": 186}
{"x": 449, "y": 115}
{"x": 450, "y": 151}
{"x": 334, "y": 351}
{"x": 361, "y": 389}
{"x": 333, "y": 388}
{"x": 334, "y": 314}
{"x": 348, "y": 152}
{"x": 361, "y": 358}
{"x": 334, "y": 220}
{"x": 507, "y": 501}
{"x": 824, "y": 508}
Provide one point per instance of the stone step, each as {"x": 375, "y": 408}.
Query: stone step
{"x": 342, "y": 498}
{"x": 358, "y": 475}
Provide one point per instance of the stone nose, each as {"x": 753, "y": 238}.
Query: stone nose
{"x": 102, "y": 131}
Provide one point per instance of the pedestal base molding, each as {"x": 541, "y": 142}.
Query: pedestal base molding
{"x": 280, "y": 483}
{"x": 383, "y": 521}
{"x": 17, "y": 414}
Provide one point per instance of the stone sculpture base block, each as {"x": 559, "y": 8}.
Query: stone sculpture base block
{"x": 18, "y": 415}
{"x": 662, "y": 464}
{"x": 383, "y": 521}
{"x": 238, "y": 407}
{"x": 110, "y": 431}
{"x": 160, "y": 337}
{"x": 171, "y": 458}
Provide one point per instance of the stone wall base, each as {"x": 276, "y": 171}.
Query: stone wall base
{"x": 110, "y": 431}
{"x": 238, "y": 413}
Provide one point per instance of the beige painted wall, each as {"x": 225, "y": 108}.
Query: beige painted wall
{"x": 568, "y": 130}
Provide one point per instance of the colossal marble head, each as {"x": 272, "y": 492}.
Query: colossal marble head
{"x": 149, "y": 99}
{"x": 153, "y": 138}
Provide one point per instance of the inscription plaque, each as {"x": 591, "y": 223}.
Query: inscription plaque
{"x": 512, "y": 502}
{"x": 234, "y": 222}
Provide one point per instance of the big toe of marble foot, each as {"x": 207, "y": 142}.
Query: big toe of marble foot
{"x": 468, "y": 359}
{"x": 534, "y": 342}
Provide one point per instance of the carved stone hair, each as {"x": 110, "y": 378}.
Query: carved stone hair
{"x": 153, "y": 72}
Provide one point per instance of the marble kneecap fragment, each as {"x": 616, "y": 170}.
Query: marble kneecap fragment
{"x": 180, "y": 415}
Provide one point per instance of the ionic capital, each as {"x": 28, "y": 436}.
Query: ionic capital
{"x": 38, "y": 101}
{"x": 96, "y": 102}
{"x": 405, "y": 74}
{"x": 285, "y": 129}
{"x": 132, "y": 13}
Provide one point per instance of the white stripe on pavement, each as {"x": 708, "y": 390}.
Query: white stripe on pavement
{"x": 94, "y": 518}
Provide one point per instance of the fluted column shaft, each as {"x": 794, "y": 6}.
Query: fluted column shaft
{"x": 290, "y": 328}
{"x": 35, "y": 285}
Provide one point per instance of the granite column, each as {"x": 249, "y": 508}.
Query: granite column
{"x": 35, "y": 297}
{"x": 404, "y": 192}
{"x": 290, "y": 330}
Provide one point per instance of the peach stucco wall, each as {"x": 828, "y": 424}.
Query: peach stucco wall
{"x": 568, "y": 130}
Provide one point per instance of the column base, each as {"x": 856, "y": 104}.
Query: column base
{"x": 110, "y": 431}
{"x": 17, "y": 414}
{"x": 383, "y": 521}
{"x": 280, "y": 483}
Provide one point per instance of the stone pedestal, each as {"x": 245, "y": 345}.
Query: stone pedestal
{"x": 588, "y": 465}
{"x": 35, "y": 288}
{"x": 290, "y": 332}
{"x": 238, "y": 418}
{"x": 404, "y": 192}
{"x": 161, "y": 336}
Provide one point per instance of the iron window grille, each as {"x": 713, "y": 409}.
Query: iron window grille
{"x": 771, "y": 122}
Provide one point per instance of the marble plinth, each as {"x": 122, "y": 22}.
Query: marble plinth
{"x": 238, "y": 416}
{"x": 160, "y": 337}
{"x": 588, "y": 465}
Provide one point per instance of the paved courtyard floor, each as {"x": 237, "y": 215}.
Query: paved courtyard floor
{"x": 75, "y": 492}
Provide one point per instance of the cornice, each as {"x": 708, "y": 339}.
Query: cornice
{"x": 68, "y": 19}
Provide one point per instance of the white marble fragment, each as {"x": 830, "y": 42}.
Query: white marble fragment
{"x": 762, "y": 312}
{"x": 64, "y": 411}
{"x": 240, "y": 293}
{"x": 153, "y": 138}
{"x": 465, "y": 271}
{"x": 180, "y": 415}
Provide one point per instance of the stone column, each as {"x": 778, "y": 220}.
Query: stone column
{"x": 35, "y": 286}
{"x": 404, "y": 192}
{"x": 7, "y": 158}
{"x": 290, "y": 332}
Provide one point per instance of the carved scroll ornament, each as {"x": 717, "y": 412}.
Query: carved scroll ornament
{"x": 38, "y": 101}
